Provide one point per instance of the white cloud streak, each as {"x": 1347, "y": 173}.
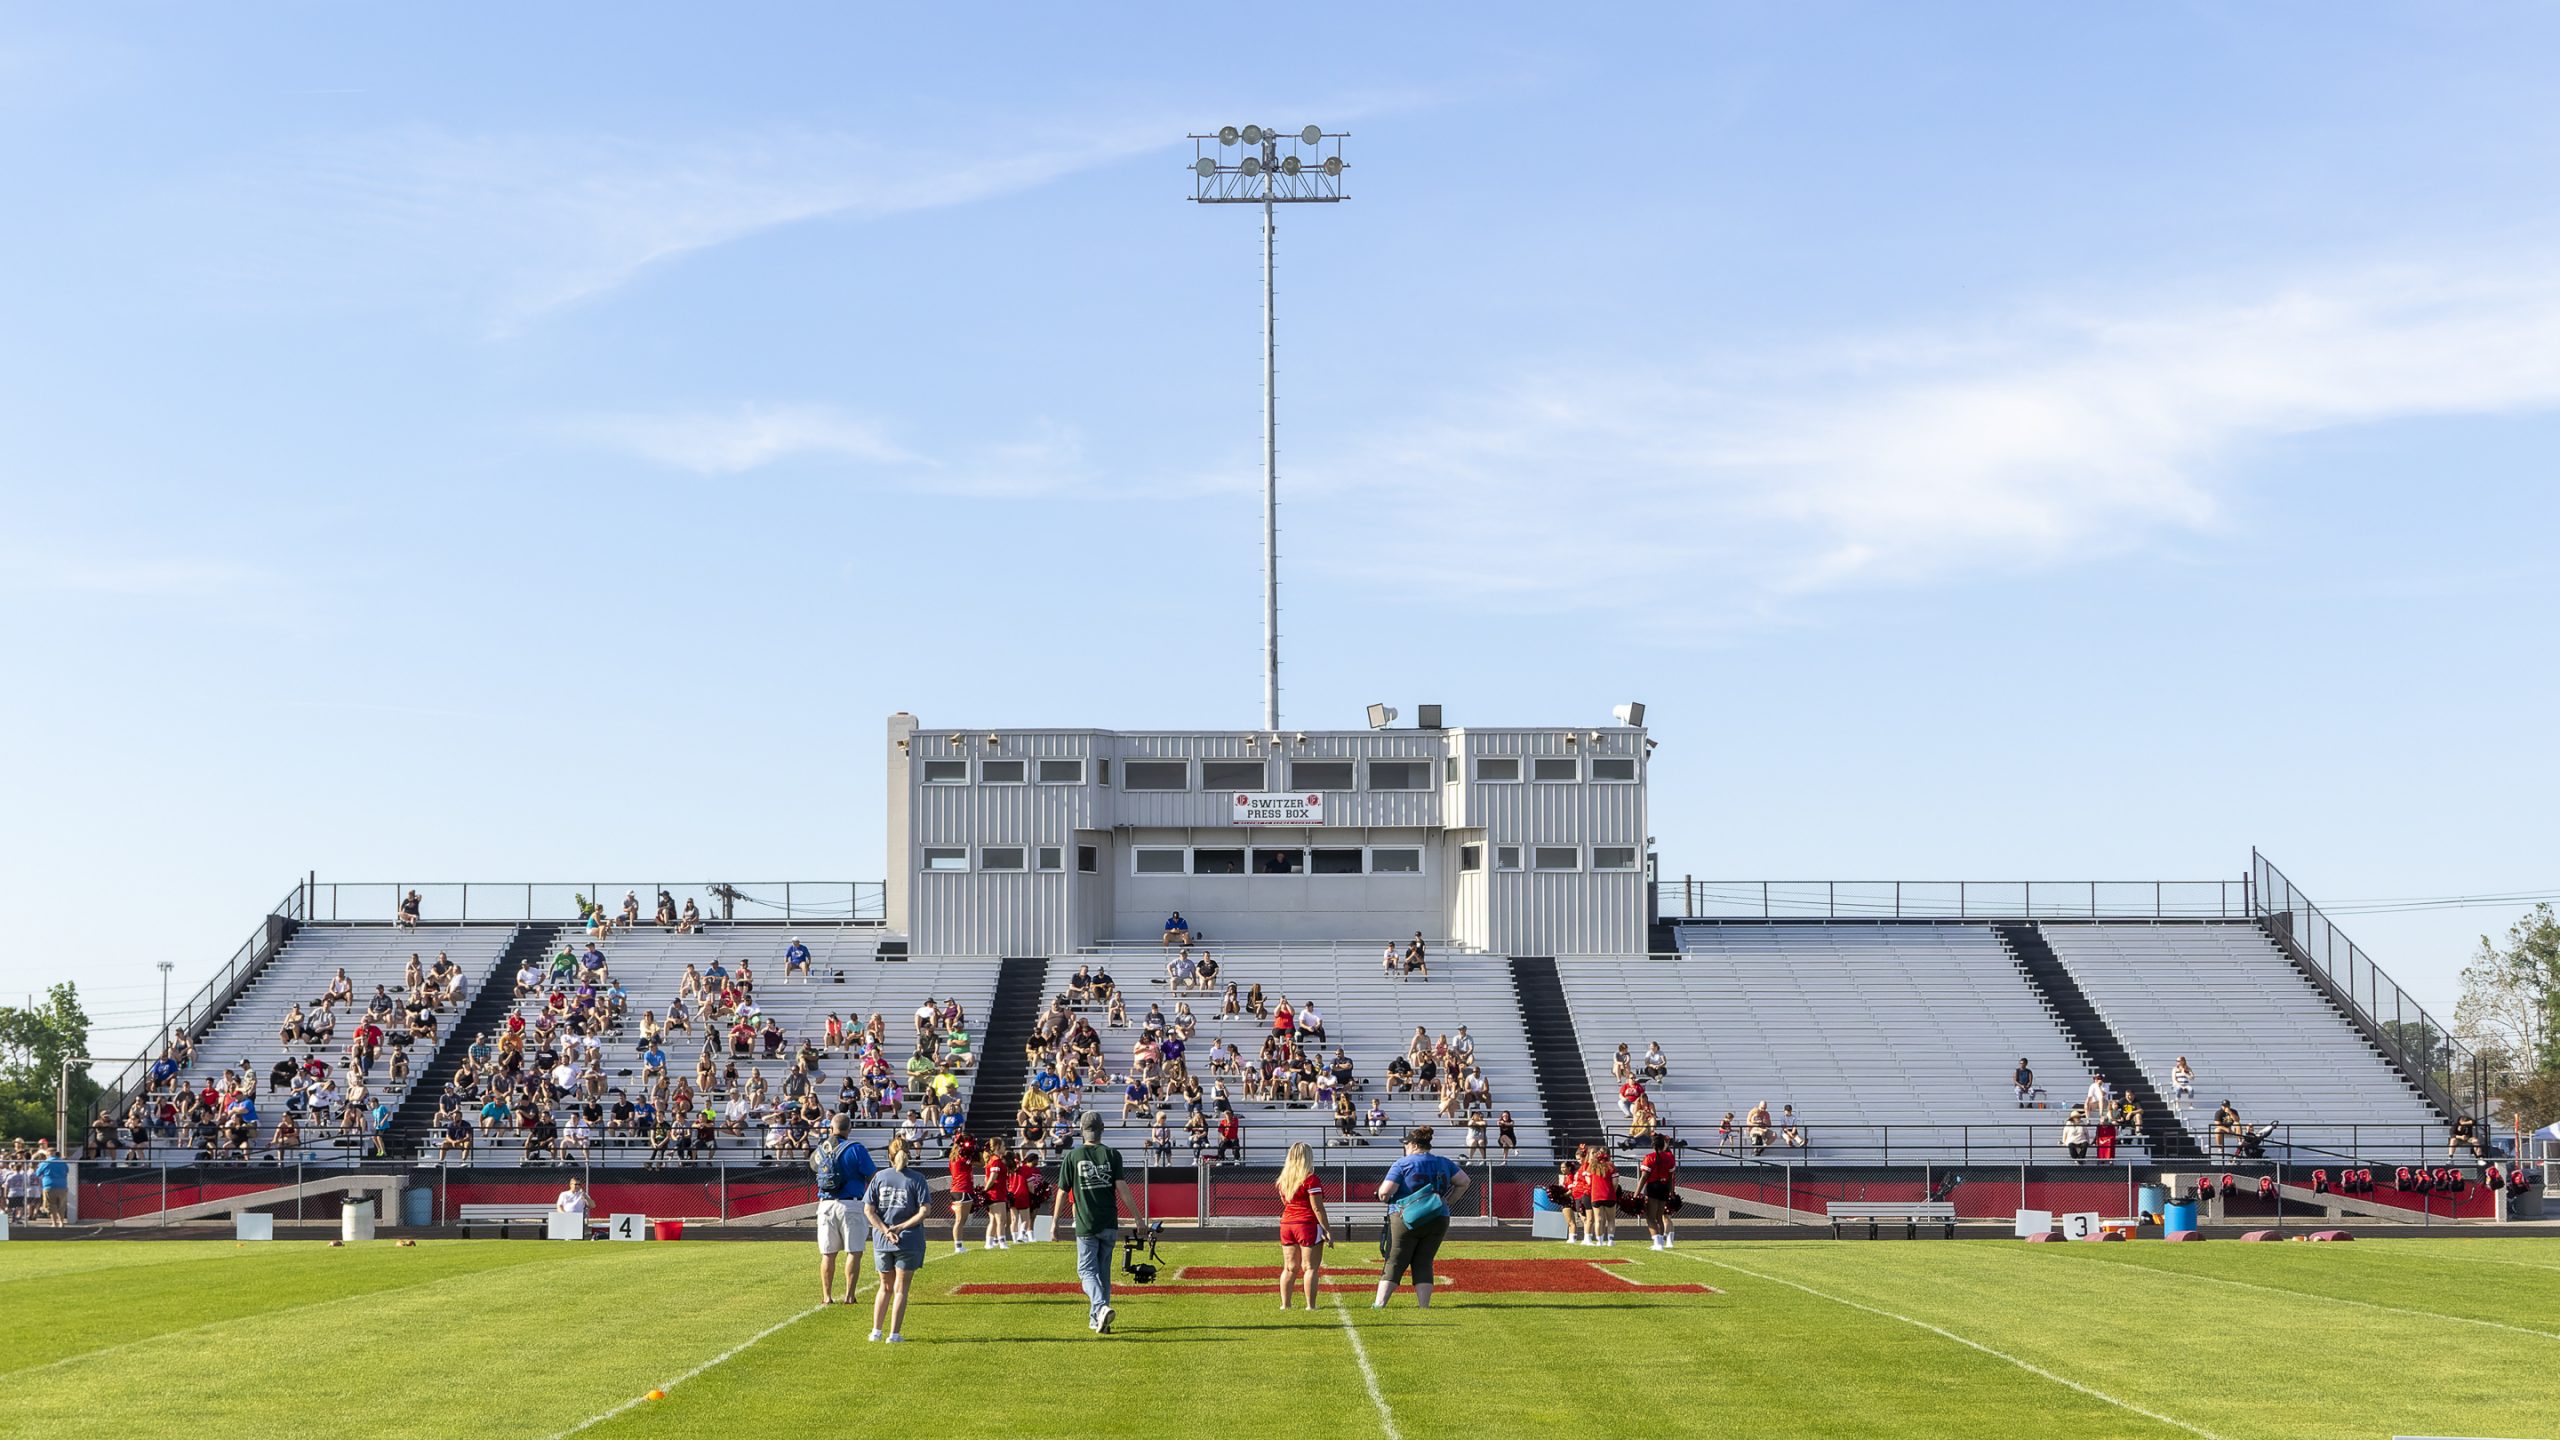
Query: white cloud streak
{"x": 1732, "y": 494}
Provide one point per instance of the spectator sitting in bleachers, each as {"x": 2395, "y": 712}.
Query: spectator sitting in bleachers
{"x": 1177, "y": 931}
{"x": 1181, "y": 972}
{"x": 2075, "y": 1134}
{"x": 1656, "y": 1064}
{"x": 795, "y": 959}
{"x": 341, "y": 991}
{"x": 1756, "y": 1131}
{"x": 2226, "y": 1127}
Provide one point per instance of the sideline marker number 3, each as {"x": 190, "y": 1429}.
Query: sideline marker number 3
{"x": 2081, "y": 1225}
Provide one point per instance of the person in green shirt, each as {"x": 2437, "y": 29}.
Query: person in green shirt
{"x": 1089, "y": 1178}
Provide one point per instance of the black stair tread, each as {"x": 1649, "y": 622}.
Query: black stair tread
{"x": 1021, "y": 992}
{"x": 1555, "y": 1054}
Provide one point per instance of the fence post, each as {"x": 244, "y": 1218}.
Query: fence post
{"x": 724, "y": 1192}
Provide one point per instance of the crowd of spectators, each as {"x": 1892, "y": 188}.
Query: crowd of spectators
{"x": 1190, "y": 1096}
{"x": 334, "y": 1082}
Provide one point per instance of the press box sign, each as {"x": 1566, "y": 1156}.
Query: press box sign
{"x": 1305, "y": 809}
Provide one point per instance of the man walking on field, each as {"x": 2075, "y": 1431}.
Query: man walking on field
{"x": 843, "y": 1169}
{"x": 1089, "y": 1176}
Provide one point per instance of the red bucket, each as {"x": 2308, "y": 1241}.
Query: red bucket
{"x": 666, "y": 1229}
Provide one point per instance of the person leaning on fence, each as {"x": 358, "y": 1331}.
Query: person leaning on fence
{"x": 1418, "y": 1191}
{"x": 843, "y": 1168}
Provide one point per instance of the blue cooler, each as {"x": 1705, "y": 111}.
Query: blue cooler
{"x": 2154, "y": 1200}
{"x": 2180, "y": 1215}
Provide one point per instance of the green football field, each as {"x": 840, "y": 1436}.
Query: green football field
{"x": 1814, "y": 1338}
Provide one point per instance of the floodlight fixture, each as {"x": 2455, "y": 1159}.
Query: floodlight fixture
{"x": 1280, "y": 168}
{"x": 1631, "y": 713}
{"x": 994, "y": 740}
{"x": 1381, "y": 716}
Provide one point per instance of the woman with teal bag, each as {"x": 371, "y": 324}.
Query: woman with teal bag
{"x": 1418, "y": 1191}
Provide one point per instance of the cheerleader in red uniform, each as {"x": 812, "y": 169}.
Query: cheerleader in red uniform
{"x": 1660, "y": 1194}
{"x": 1567, "y": 1193}
{"x": 1600, "y": 1192}
{"x": 998, "y": 1194}
{"x": 1026, "y": 1189}
{"x": 964, "y": 1186}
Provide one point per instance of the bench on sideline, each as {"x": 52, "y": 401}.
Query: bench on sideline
{"x": 1912, "y": 1213}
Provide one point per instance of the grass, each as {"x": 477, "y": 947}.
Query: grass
{"x": 1801, "y": 1338}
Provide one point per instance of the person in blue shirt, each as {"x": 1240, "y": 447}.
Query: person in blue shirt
{"x": 795, "y": 959}
{"x": 717, "y": 971}
{"x": 1177, "y": 931}
{"x": 894, "y": 1204}
{"x": 53, "y": 1179}
{"x": 1413, "y": 1184}
{"x": 843, "y": 1170}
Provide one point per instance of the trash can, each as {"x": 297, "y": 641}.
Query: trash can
{"x": 418, "y": 1206}
{"x": 2180, "y": 1215}
{"x": 2154, "y": 1200}
{"x": 666, "y": 1229}
{"x": 355, "y": 1220}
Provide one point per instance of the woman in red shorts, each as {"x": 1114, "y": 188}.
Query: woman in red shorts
{"x": 964, "y": 1186}
{"x": 1303, "y": 1229}
{"x": 1026, "y": 1191}
{"x": 997, "y": 1193}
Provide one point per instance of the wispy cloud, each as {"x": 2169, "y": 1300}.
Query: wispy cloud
{"x": 509, "y": 228}
{"x": 1728, "y": 489}
{"x": 747, "y": 437}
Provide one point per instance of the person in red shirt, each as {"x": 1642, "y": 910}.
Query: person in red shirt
{"x": 964, "y": 1187}
{"x": 1025, "y": 1191}
{"x": 1654, "y": 1183}
{"x": 1628, "y": 1094}
{"x": 1567, "y": 1193}
{"x": 1303, "y": 1227}
{"x": 1600, "y": 1193}
{"x": 1230, "y": 1138}
{"x": 998, "y": 1194}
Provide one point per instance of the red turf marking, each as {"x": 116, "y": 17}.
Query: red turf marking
{"x": 1491, "y": 1277}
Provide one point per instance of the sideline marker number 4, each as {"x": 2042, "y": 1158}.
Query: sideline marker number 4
{"x": 629, "y": 1226}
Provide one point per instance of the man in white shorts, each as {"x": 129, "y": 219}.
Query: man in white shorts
{"x": 843, "y": 1169}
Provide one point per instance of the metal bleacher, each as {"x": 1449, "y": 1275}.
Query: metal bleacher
{"x": 1367, "y": 1013}
{"x": 2254, "y": 1029}
{"x": 244, "y": 1036}
{"x": 1889, "y": 1040}
{"x": 846, "y": 978}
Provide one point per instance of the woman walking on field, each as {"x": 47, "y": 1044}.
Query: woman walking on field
{"x": 1303, "y": 1227}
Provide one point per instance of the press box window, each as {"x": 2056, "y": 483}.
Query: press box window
{"x": 1279, "y": 862}
{"x": 1217, "y": 862}
{"x": 1556, "y": 770}
{"x": 1319, "y": 774}
{"x": 1498, "y": 769}
{"x": 1155, "y": 775}
{"x": 946, "y": 772}
{"x": 1556, "y": 857}
{"x": 1157, "y": 862}
{"x": 1061, "y": 772}
{"x": 1506, "y": 857}
{"x": 1334, "y": 862}
{"x": 1000, "y": 857}
{"x": 1399, "y": 775}
{"x": 1088, "y": 859}
{"x": 1052, "y": 858}
{"x": 950, "y": 857}
{"x": 1000, "y": 772}
{"x": 1398, "y": 861}
{"x": 1470, "y": 857}
{"x": 1620, "y": 769}
{"x": 1613, "y": 857}
{"x": 1233, "y": 775}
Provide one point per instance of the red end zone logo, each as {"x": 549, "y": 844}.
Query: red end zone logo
{"x": 1470, "y": 1277}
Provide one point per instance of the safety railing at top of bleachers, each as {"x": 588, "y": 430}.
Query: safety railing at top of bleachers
{"x": 2426, "y": 1050}
{"x": 1689, "y": 898}
{"x": 226, "y": 982}
{"x": 847, "y": 902}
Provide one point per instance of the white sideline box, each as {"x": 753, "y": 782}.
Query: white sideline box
{"x": 565, "y": 1227}
{"x": 4, "y": 1227}
{"x": 1546, "y": 1224}
{"x": 252, "y": 1225}
{"x": 2034, "y": 1222}
{"x": 1044, "y": 1227}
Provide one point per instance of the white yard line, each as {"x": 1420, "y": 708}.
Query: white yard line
{"x": 2342, "y": 1300}
{"x": 1368, "y": 1376}
{"x": 722, "y": 1358}
{"x": 2032, "y": 1369}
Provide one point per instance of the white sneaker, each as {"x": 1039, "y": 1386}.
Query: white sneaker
{"x": 875, "y": 1334}
{"x": 959, "y": 1249}
{"x": 1102, "y": 1322}
{"x": 896, "y": 1339}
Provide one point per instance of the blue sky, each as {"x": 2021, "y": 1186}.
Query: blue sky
{"x": 1996, "y": 441}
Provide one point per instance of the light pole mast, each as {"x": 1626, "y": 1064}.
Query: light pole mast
{"x": 1277, "y": 170}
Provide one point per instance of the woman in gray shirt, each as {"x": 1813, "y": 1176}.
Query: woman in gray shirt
{"x": 894, "y": 1205}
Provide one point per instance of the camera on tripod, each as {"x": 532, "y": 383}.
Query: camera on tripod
{"x": 1142, "y": 1272}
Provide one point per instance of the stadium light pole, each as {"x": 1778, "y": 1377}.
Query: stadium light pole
{"x": 1271, "y": 170}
